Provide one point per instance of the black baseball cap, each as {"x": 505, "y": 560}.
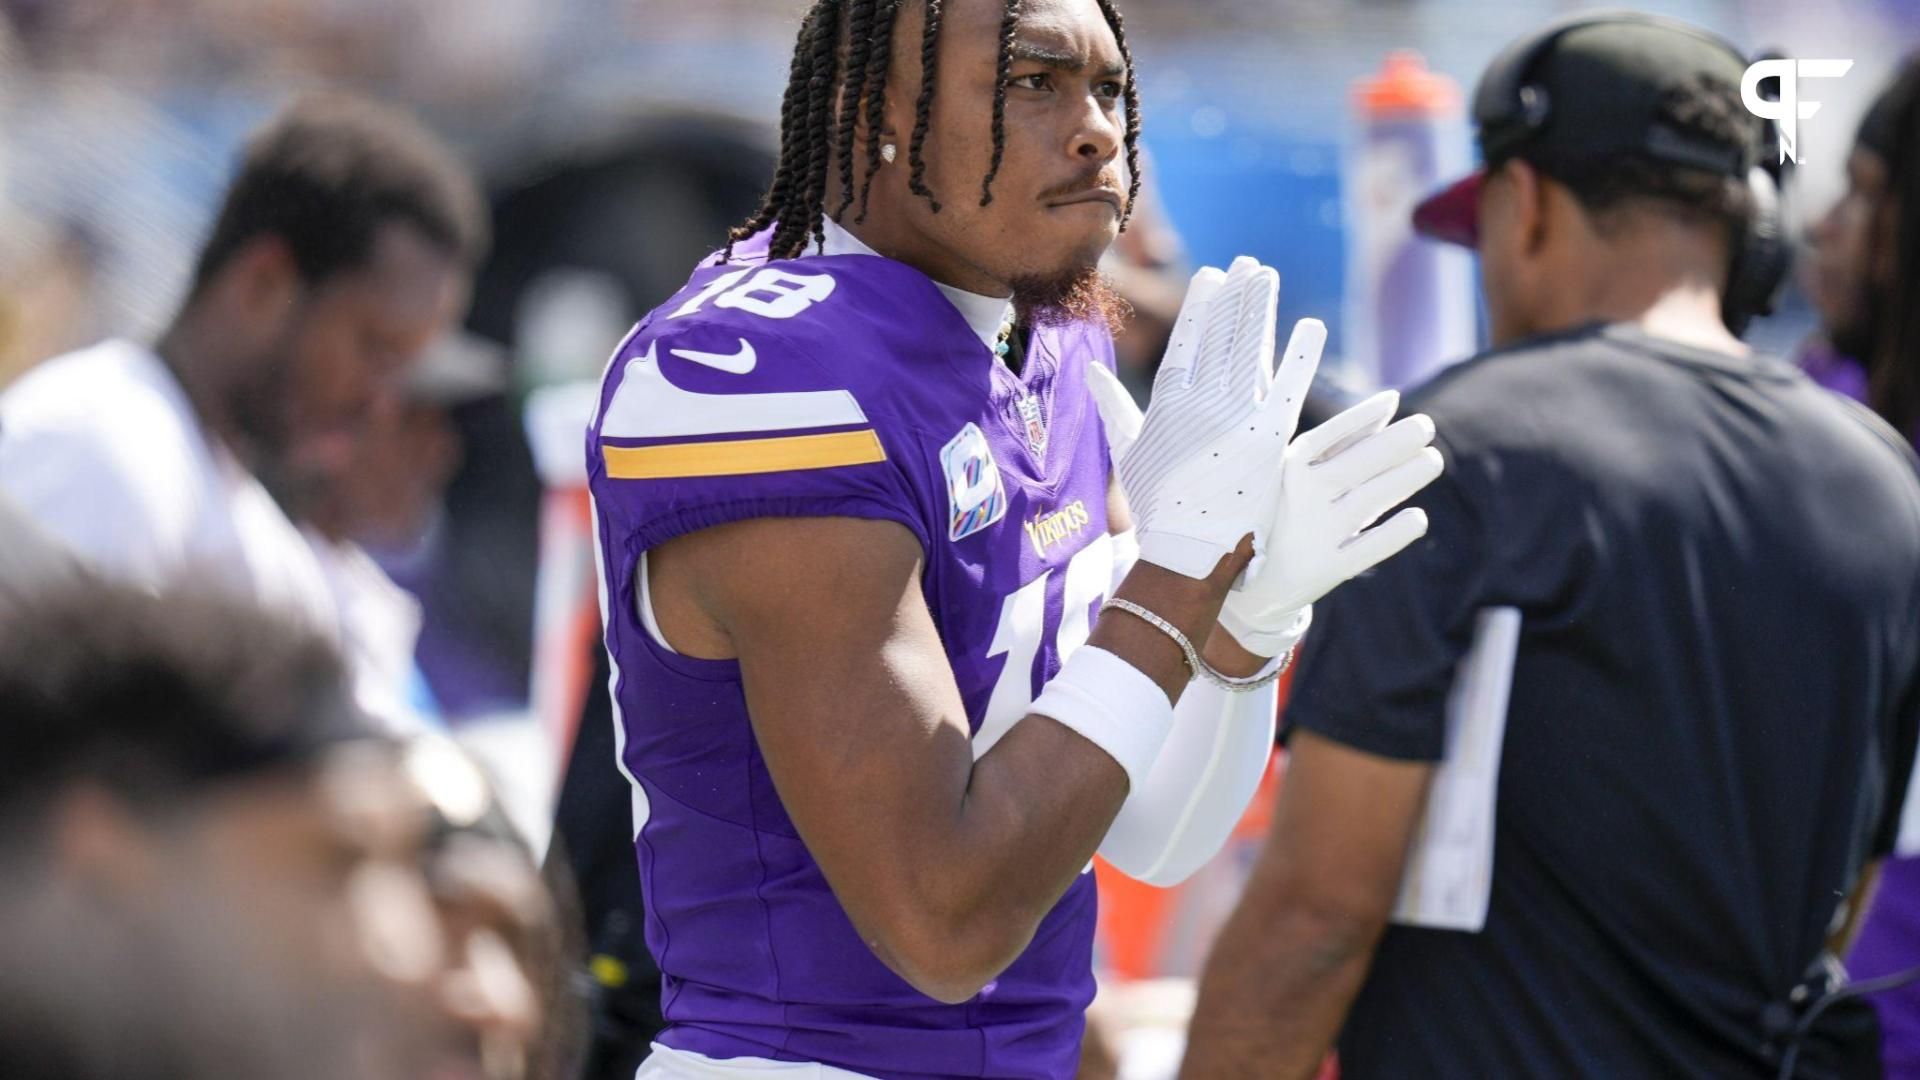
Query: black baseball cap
{"x": 1584, "y": 91}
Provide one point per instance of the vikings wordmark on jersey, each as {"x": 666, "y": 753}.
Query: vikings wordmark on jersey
{"x": 841, "y": 385}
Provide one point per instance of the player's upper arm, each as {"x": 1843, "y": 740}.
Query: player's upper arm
{"x": 85, "y": 495}
{"x": 853, "y": 703}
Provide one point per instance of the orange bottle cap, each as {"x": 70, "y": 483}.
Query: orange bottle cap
{"x": 1406, "y": 86}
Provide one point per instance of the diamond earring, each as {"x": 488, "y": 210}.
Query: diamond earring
{"x": 888, "y": 152}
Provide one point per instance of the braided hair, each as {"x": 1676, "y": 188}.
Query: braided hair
{"x": 842, "y": 58}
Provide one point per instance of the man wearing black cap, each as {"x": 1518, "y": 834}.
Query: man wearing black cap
{"x": 1571, "y": 744}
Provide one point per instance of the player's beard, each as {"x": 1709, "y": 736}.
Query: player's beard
{"x": 1077, "y": 294}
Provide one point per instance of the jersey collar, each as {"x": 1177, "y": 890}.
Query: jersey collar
{"x": 984, "y": 314}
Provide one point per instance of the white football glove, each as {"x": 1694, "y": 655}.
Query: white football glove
{"x": 1338, "y": 479}
{"x": 1203, "y": 469}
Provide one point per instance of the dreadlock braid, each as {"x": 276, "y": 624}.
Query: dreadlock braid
{"x": 923, "y": 112}
{"x": 1009, "y": 22}
{"x": 1133, "y": 108}
{"x": 792, "y": 135}
{"x": 810, "y": 221}
{"x": 859, "y": 53}
{"x": 876, "y": 86}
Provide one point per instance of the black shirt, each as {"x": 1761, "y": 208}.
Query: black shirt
{"x": 1712, "y": 712}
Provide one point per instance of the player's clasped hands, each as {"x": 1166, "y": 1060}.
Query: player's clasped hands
{"x": 1214, "y": 459}
{"x": 1203, "y": 463}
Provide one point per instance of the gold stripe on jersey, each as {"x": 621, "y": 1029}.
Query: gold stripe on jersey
{"x": 790, "y": 453}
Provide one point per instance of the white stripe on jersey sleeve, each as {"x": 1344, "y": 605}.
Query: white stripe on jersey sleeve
{"x": 648, "y": 406}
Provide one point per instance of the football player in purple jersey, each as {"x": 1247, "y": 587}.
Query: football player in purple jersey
{"x": 858, "y": 495}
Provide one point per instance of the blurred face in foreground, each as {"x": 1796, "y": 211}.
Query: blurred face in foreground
{"x": 341, "y": 909}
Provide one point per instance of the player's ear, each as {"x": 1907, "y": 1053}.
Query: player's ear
{"x": 861, "y": 125}
{"x": 863, "y": 132}
{"x": 261, "y": 281}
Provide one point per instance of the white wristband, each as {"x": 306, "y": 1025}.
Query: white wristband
{"x": 1112, "y": 705}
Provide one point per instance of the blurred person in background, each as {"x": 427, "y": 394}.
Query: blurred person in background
{"x": 1864, "y": 277}
{"x": 343, "y": 249}
{"x": 48, "y": 269}
{"x": 1642, "y": 527}
{"x": 212, "y": 869}
{"x": 375, "y": 524}
{"x": 1865, "y": 260}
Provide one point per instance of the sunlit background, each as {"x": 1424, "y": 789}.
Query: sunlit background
{"x": 618, "y": 137}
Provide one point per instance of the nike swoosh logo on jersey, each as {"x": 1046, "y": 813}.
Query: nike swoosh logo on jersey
{"x": 739, "y": 363}
{"x": 646, "y": 405}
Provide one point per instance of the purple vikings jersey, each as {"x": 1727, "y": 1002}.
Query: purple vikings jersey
{"x": 842, "y": 386}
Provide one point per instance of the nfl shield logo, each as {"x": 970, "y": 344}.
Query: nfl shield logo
{"x": 1036, "y": 424}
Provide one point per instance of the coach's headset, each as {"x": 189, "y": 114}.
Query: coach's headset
{"x": 1512, "y": 110}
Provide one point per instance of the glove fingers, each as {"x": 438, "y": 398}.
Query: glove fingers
{"x": 1364, "y": 504}
{"x": 1298, "y": 366}
{"x": 1119, "y": 414}
{"x": 1254, "y": 339}
{"x": 1358, "y": 461}
{"x": 1213, "y": 393}
{"x": 1219, "y": 347}
{"x": 1349, "y": 440}
{"x": 1363, "y": 419}
{"x": 1190, "y": 324}
{"x": 1375, "y": 546}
